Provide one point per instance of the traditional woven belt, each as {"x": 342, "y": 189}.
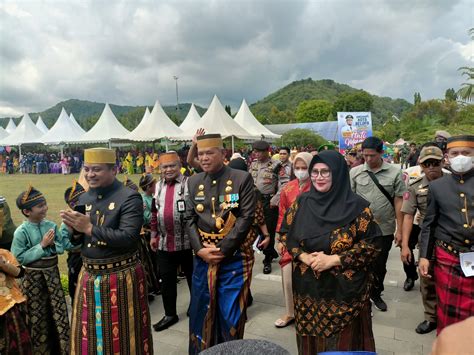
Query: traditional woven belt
{"x": 111, "y": 264}
{"x": 448, "y": 247}
{"x": 43, "y": 263}
{"x": 211, "y": 238}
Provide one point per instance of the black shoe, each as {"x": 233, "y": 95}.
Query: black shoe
{"x": 426, "y": 327}
{"x": 249, "y": 300}
{"x": 408, "y": 284}
{"x": 379, "y": 303}
{"x": 267, "y": 268}
{"x": 165, "y": 323}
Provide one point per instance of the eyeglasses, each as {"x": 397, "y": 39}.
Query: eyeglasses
{"x": 324, "y": 173}
{"x": 431, "y": 163}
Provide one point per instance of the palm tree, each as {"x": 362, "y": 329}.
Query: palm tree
{"x": 466, "y": 92}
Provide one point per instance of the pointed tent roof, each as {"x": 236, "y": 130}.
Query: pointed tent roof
{"x": 105, "y": 129}
{"x": 40, "y": 124}
{"x": 11, "y": 126}
{"x": 154, "y": 126}
{"x": 63, "y": 131}
{"x": 74, "y": 122}
{"x": 3, "y": 133}
{"x": 245, "y": 118}
{"x": 26, "y": 132}
{"x": 217, "y": 120}
{"x": 192, "y": 118}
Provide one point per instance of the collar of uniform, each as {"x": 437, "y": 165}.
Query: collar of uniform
{"x": 104, "y": 191}
{"x": 219, "y": 173}
{"x": 179, "y": 180}
{"x": 384, "y": 166}
{"x": 466, "y": 176}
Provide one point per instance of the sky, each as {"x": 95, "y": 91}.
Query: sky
{"x": 128, "y": 52}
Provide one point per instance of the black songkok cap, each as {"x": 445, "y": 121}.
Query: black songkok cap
{"x": 29, "y": 198}
{"x": 129, "y": 183}
{"x": 71, "y": 195}
{"x": 146, "y": 180}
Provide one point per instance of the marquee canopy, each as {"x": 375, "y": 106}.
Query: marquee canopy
{"x": 191, "y": 120}
{"x": 11, "y": 126}
{"x": 63, "y": 131}
{"x": 40, "y": 124}
{"x": 245, "y": 118}
{"x": 74, "y": 122}
{"x": 26, "y": 132}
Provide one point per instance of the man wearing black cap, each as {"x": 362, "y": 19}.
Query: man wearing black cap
{"x": 448, "y": 234}
{"x": 219, "y": 213}
{"x": 265, "y": 176}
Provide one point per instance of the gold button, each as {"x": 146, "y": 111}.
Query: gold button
{"x": 463, "y": 210}
{"x": 450, "y": 247}
{"x": 467, "y": 241}
{"x": 461, "y": 194}
{"x": 461, "y": 181}
{"x": 99, "y": 197}
{"x": 214, "y": 182}
{"x": 466, "y": 225}
{"x": 213, "y": 198}
{"x": 89, "y": 245}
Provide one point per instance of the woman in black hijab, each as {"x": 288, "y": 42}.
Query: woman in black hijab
{"x": 330, "y": 233}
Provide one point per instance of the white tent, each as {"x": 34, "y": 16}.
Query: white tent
{"x": 245, "y": 118}
{"x": 40, "y": 124}
{"x": 11, "y": 126}
{"x": 63, "y": 131}
{"x": 154, "y": 126}
{"x": 105, "y": 129}
{"x": 26, "y": 132}
{"x": 191, "y": 120}
{"x": 3, "y": 133}
{"x": 217, "y": 120}
{"x": 74, "y": 122}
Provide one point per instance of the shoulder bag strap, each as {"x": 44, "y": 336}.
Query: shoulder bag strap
{"x": 380, "y": 187}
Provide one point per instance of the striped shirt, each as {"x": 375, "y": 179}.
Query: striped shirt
{"x": 166, "y": 220}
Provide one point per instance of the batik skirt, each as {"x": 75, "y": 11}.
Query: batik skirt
{"x": 219, "y": 300}
{"x": 455, "y": 291}
{"x": 14, "y": 333}
{"x": 110, "y": 313}
{"x": 46, "y": 310}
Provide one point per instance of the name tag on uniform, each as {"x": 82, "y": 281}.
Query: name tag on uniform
{"x": 181, "y": 206}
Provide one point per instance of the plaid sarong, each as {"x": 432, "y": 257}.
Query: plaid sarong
{"x": 455, "y": 291}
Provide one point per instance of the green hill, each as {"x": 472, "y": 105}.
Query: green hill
{"x": 87, "y": 112}
{"x": 284, "y": 101}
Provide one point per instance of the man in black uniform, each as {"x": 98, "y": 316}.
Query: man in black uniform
{"x": 448, "y": 233}
{"x": 110, "y": 312}
{"x": 264, "y": 172}
{"x": 7, "y": 227}
{"x": 219, "y": 213}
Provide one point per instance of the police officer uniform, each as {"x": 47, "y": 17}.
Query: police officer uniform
{"x": 265, "y": 177}
{"x": 111, "y": 299}
{"x": 448, "y": 231}
{"x": 219, "y": 210}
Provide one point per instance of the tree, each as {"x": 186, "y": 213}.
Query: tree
{"x": 228, "y": 110}
{"x": 450, "y": 95}
{"x": 417, "y": 98}
{"x": 301, "y": 137}
{"x": 359, "y": 101}
{"x": 313, "y": 111}
{"x": 466, "y": 92}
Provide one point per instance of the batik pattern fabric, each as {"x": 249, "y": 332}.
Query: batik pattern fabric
{"x": 218, "y": 309}
{"x": 46, "y": 310}
{"x": 14, "y": 332}
{"x": 110, "y": 313}
{"x": 332, "y": 305}
{"x": 455, "y": 292}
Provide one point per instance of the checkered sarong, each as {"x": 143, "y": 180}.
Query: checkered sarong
{"x": 455, "y": 291}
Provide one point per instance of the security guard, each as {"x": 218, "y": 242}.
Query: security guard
{"x": 111, "y": 299}
{"x": 219, "y": 212}
{"x": 414, "y": 207}
{"x": 448, "y": 231}
{"x": 264, "y": 172}
{"x": 7, "y": 227}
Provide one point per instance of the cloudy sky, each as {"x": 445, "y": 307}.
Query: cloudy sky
{"x": 127, "y": 52}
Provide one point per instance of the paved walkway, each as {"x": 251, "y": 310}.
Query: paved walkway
{"x": 394, "y": 330}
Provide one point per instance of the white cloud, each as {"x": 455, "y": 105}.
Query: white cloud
{"x": 127, "y": 52}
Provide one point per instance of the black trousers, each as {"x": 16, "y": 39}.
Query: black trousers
{"x": 379, "y": 266}
{"x": 74, "y": 265}
{"x": 168, "y": 263}
{"x": 271, "y": 220}
{"x": 410, "y": 269}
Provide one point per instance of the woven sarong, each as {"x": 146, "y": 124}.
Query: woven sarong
{"x": 14, "y": 333}
{"x": 455, "y": 291}
{"x": 111, "y": 314}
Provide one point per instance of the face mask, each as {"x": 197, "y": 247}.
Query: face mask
{"x": 301, "y": 174}
{"x": 461, "y": 163}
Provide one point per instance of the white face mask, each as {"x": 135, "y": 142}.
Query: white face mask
{"x": 461, "y": 163}
{"x": 301, "y": 174}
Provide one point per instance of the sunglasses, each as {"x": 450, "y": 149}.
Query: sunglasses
{"x": 431, "y": 163}
{"x": 324, "y": 173}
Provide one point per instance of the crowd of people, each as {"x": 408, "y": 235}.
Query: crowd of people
{"x": 330, "y": 219}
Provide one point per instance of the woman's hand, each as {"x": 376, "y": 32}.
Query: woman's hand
{"x": 322, "y": 262}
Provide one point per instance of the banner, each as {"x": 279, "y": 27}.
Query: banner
{"x": 353, "y": 128}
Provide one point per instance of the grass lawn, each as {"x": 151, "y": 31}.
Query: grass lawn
{"x": 52, "y": 186}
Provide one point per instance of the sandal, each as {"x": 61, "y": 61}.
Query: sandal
{"x": 280, "y": 323}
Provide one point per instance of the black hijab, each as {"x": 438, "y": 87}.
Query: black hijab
{"x": 322, "y": 212}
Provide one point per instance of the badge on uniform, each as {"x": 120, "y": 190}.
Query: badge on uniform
{"x": 88, "y": 208}
{"x": 112, "y": 206}
{"x": 181, "y": 206}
